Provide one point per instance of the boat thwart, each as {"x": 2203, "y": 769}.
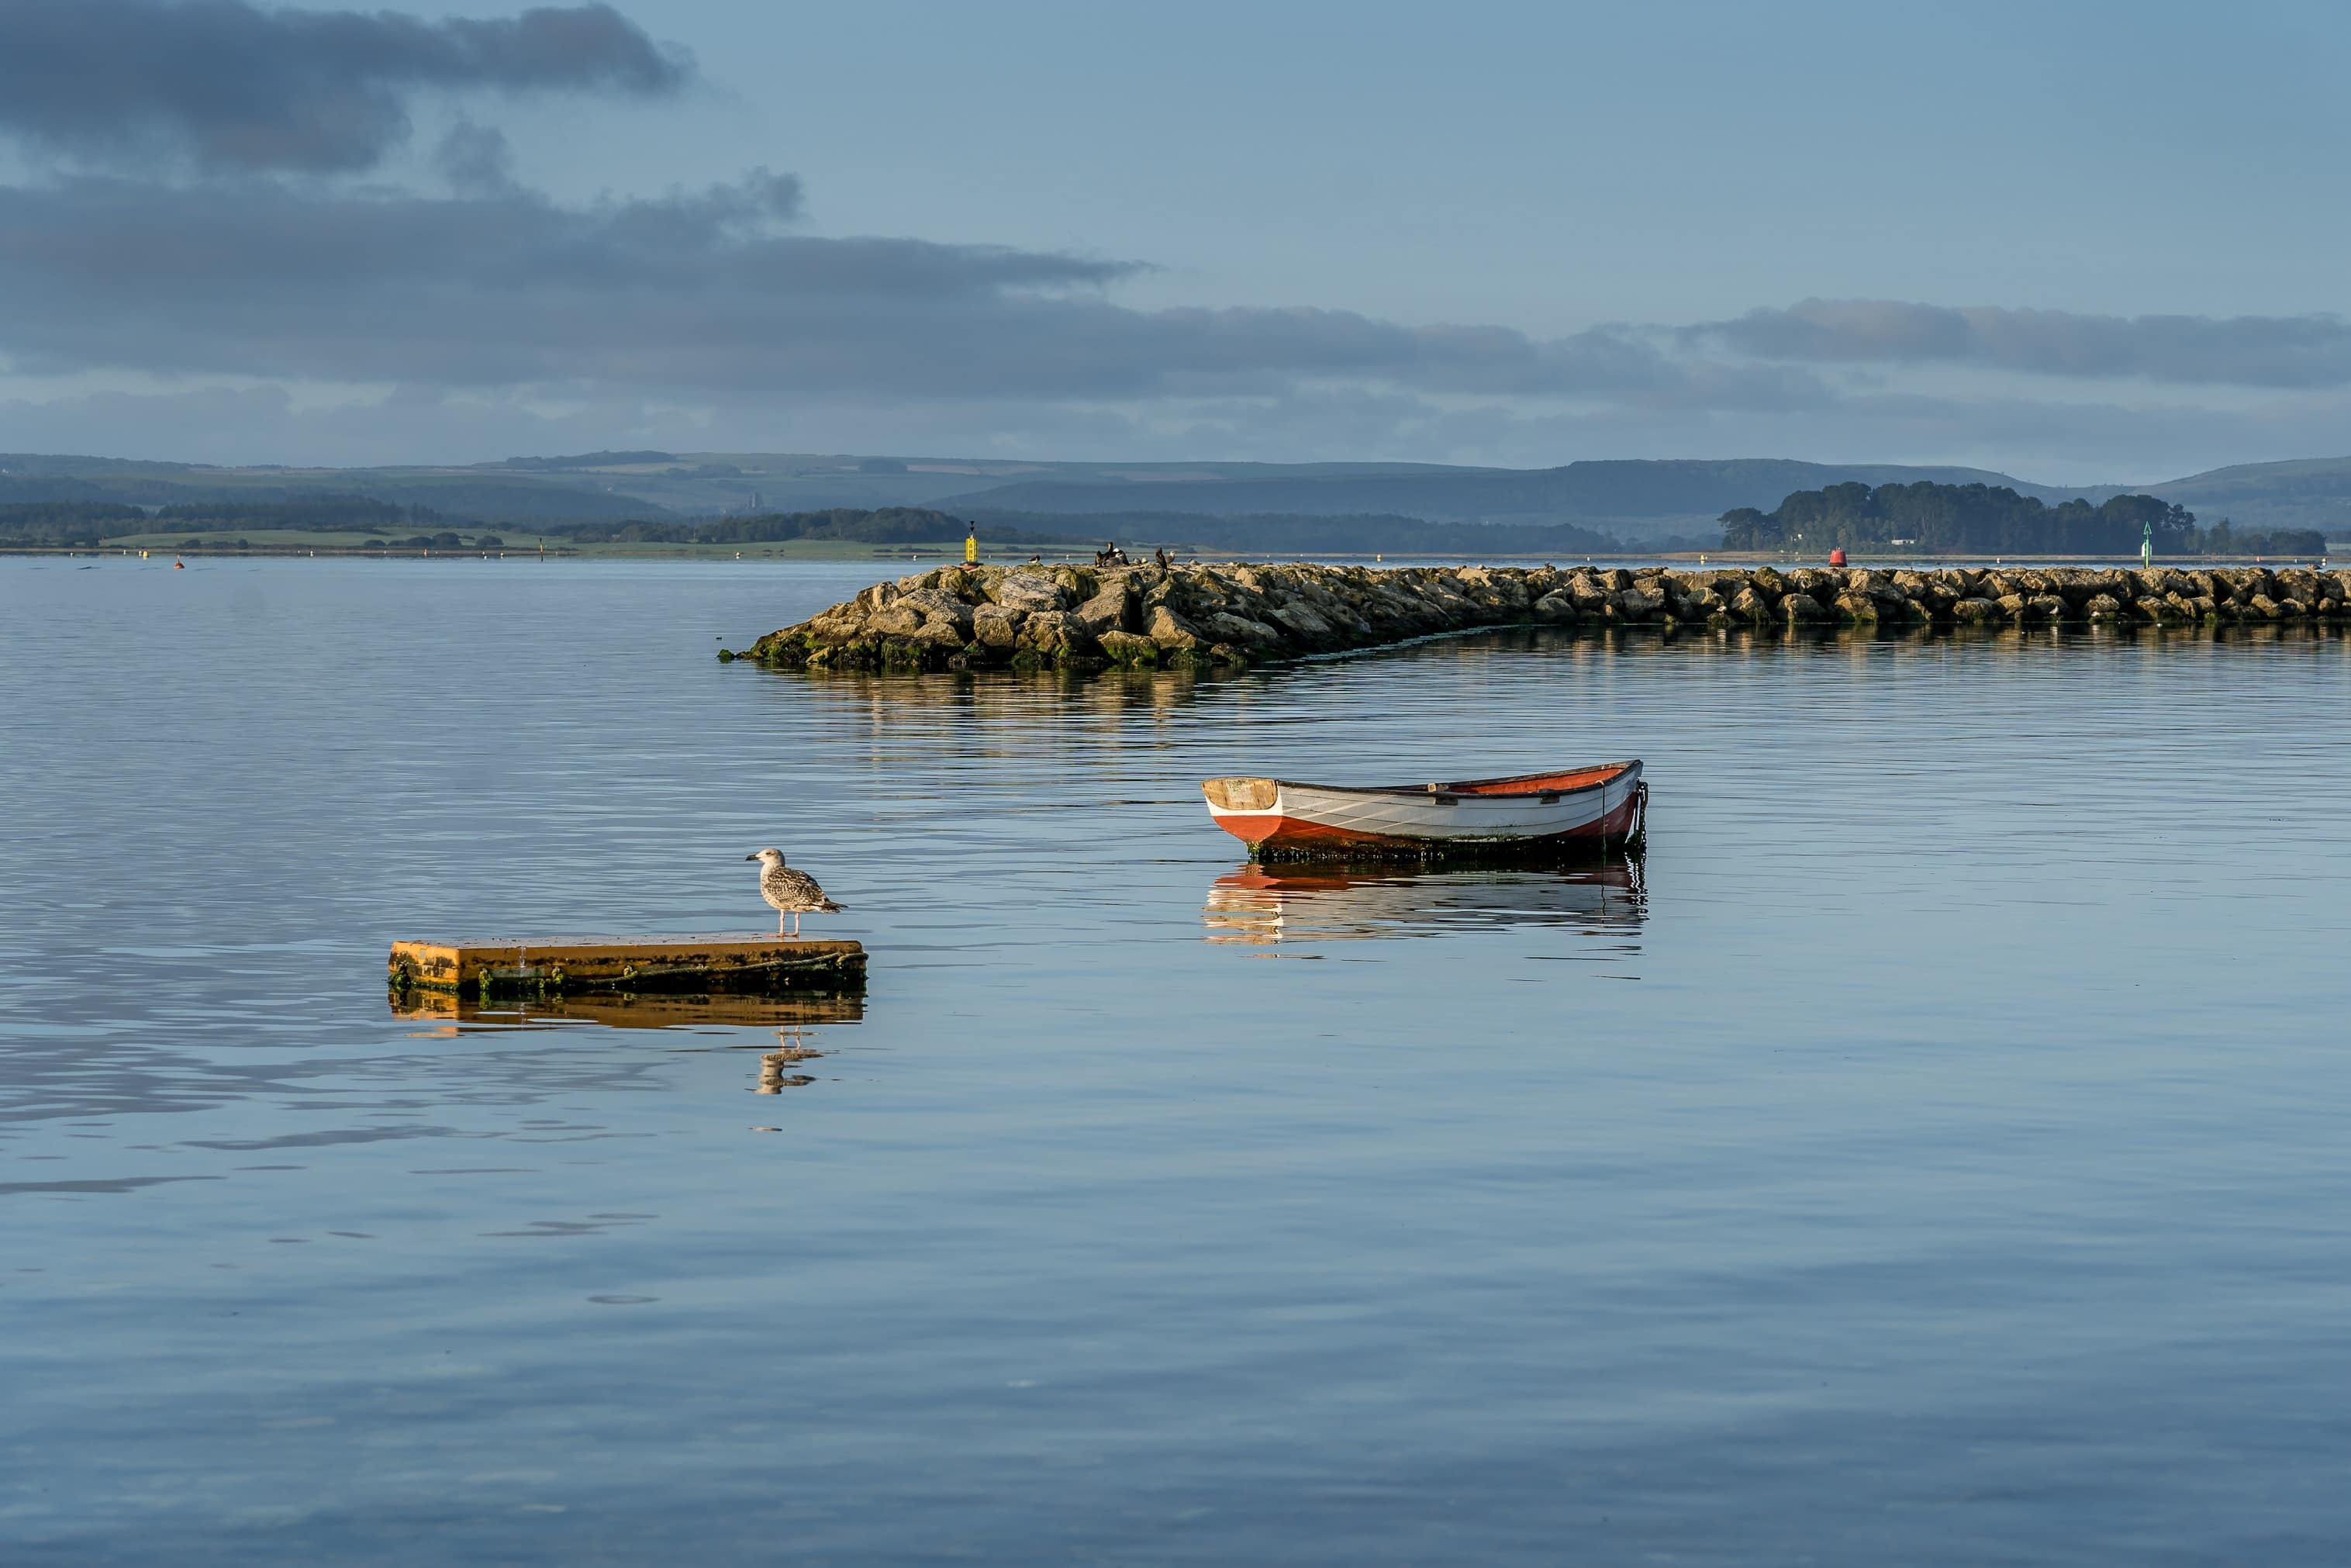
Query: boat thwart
{"x": 1562, "y": 809}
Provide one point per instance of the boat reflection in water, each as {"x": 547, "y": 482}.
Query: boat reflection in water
{"x": 1265, "y": 906}
{"x": 791, "y": 1016}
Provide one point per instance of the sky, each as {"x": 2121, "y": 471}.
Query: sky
{"x": 2080, "y": 243}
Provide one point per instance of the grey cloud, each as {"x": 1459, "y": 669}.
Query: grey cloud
{"x": 237, "y": 87}
{"x": 2239, "y": 351}
{"x": 698, "y": 293}
{"x": 476, "y": 160}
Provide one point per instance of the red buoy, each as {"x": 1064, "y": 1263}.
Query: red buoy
{"x": 1836, "y": 555}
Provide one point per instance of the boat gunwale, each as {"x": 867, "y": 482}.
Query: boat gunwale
{"x": 1480, "y": 787}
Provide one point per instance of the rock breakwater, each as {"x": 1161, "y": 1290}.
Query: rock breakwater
{"x": 1029, "y": 617}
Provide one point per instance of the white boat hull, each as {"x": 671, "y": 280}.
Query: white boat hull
{"x": 1280, "y": 817}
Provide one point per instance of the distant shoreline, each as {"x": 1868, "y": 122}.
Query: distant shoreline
{"x": 953, "y": 554}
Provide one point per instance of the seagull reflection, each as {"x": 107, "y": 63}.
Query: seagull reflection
{"x": 1263, "y": 905}
{"x": 791, "y": 1047}
{"x": 791, "y": 1016}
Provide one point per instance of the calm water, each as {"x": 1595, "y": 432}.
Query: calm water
{"x": 1933, "y": 1152}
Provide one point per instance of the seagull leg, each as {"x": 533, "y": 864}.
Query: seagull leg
{"x": 796, "y": 924}
{"x": 780, "y": 923}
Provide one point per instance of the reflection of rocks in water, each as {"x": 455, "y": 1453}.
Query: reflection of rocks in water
{"x": 1263, "y": 906}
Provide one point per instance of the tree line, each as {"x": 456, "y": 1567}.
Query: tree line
{"x": 884, "y": 526}
{"x": 40, "y": 523}
{"x": 327, "y": 512}
{"x": 1290, "y": 533}
{"x": 1986, "y": 519}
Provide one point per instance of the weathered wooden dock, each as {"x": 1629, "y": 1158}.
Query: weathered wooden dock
{"x": 561, "y": 966}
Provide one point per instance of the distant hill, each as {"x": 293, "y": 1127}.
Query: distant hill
{"x": 1642, "y": 503}
{"x": 887, "y": 525}
{"x": 461, "y": 495}
{"x": 1634, "y": 498}
{"x": 2308, "y": 493}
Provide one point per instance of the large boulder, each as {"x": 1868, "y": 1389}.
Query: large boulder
{"x": 995, "y": 626}
{"x": 1799, "y": 606}
{"x": 1111, "y": 609}
{"x": 1495, "y": 587}
{"x": 1303, "y": 623}
{"x": 842, "y": 623}
{"x": 1689, "y": 596}
{"x": 1642, "y": 602}
{"x": 1240, "y": 631}
{"x": 896, "y": 619}
{"x": 1129, "y": 648}
{"x": 1172, "y": 631}
{"x": 1590, "y": 594}
{"x": 936, "y": 604}
{"x": 1979, "y": 612}
{"x": 1054, "y": 632}
{"x": 1030, "y": 590}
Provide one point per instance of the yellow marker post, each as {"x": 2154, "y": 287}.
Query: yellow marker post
{"x": 971, "y": 547}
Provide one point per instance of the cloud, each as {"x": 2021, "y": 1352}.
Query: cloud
{"x": 700, "y": 294}
{"x": 2237, "y": 350}
{"x": 234, "y": 87}
{"x": 476, "y": 160}
{"x": 704, "y": 318}
{"x": 265, "y": 307}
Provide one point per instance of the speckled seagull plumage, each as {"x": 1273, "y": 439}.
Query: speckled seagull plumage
{"x": 789, "y": 892}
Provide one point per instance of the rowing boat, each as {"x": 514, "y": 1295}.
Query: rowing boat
{"x": 1280, "y": 819}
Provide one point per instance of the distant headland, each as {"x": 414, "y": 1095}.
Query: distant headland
{"x": 656, "y": 503}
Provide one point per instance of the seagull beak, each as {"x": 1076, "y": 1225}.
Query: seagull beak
{"x": 750, "y": 857}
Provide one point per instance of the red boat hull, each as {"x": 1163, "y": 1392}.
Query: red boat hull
{"x": 1278, "y": 833}
{"x": 1531, "y": 813}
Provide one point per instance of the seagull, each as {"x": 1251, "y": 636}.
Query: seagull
{"x": 792, "y": 893}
